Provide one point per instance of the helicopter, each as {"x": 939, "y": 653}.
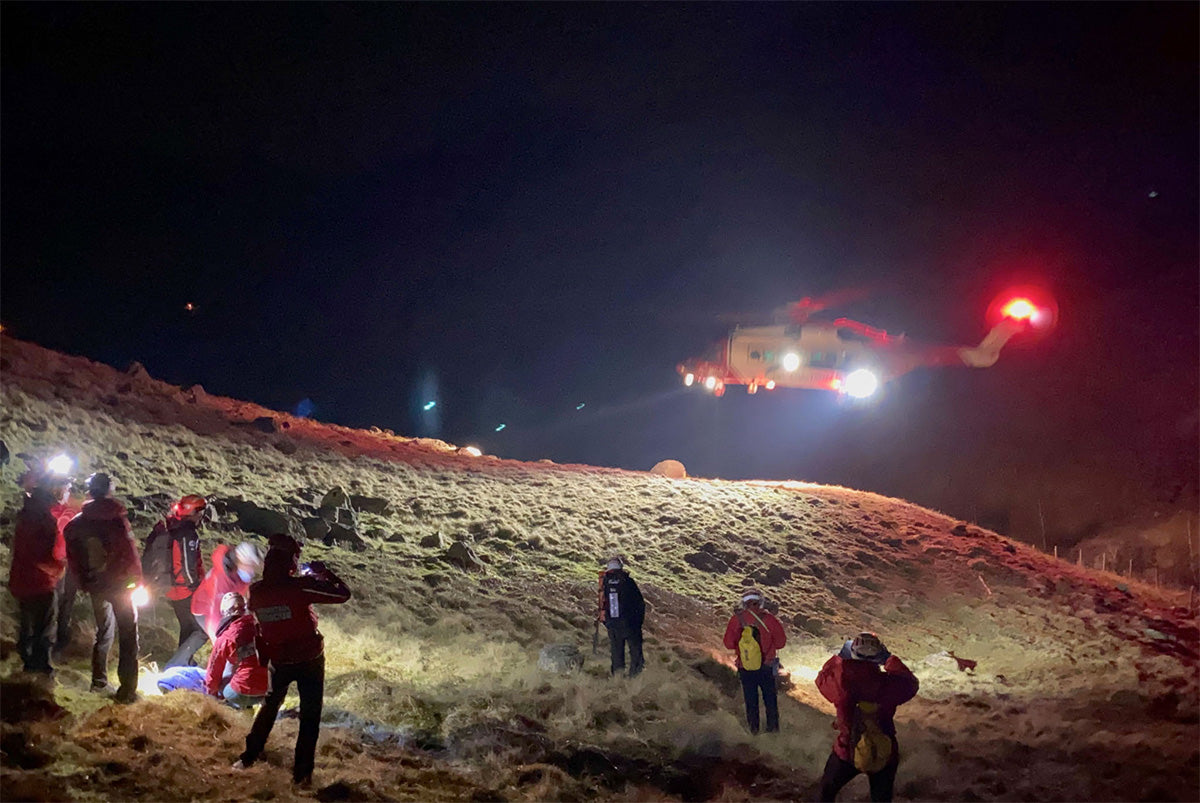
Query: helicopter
{"x": 849, "y": 357}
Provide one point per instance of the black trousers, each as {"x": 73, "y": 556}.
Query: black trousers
{"x": 621, "y": 633}
{"x": 762, "y": 679}
{"x": 839, "y": 772}
{"x": 310, "y": 683}
{"x": 191, "y": 634}
{"x": 36, "y": 630}
{"x": 68, "y": 589}
{"x": 115, "y": 616}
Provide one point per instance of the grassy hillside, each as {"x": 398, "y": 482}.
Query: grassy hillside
{"x": 1085, "y": 686}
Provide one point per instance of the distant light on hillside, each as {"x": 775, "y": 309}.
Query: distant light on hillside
{"x": 474, "y": 451}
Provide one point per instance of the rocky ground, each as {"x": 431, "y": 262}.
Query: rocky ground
{"x": 464, "y": 568}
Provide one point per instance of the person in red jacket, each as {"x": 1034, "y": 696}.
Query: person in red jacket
{"x": 235, "y": 648}
{"x": 769, "y": 635}
{"x": 852, "y": 676}
{"x": 181, "y": 528}
{"x": 102, "y": 555}
{"x": 39, "y": 560}
{"x": 231, "y": 571}
{"x": 294, "y": 649}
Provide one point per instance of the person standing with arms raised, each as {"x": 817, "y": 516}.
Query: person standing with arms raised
{"x": 292, "y": 647}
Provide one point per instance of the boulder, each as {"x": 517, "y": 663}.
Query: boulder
{"x": 255, "y": 519}
{"x": 315, "y": 528}
{"x": 335, "y": 497}
{"x": 560, "y": 658}
{"x": 264, "y": 423}
{"x": 434, "y": 541}
{"x": 344, "y": 537}
{"x": 369, "y": 504}
{"x": 672, "y": 469}
{"x": 464, "y": 557}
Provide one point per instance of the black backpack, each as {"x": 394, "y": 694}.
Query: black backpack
{"x": 157, "y": 568}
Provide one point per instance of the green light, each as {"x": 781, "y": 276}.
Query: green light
{"x": 502, "y": 426}
{"x": 430, "y": 405}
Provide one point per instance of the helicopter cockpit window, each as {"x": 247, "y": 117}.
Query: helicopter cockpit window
{"x": 769, "y": 356}
{"x": 823, "y": 359}
{"x": 854, "y": 337}
{"x": 754, "y": 355}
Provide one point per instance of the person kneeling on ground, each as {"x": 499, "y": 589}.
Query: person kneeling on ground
{"x": 755, "y": 635}
{"x": 234, "y": 647}
{"x": 866, "y": 699}
{"x": 294, "y": 649}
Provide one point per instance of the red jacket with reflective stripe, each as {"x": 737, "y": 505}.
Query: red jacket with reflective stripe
{"x": 287, "y": 623}
{"x": 845, "y": 681}
{"x": 235, "y": 645}
{"x": 771, "y": 638}
{"x": 39, "y": 553}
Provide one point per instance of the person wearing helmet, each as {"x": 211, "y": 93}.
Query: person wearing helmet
{"x": 178, "y": 539}
{"x": 755, "y": 635}
{"x": 294, "y": 649}
{"x": 102, "y": 555}
{"x": 39, "y": 561}
{"x": 231, "y": 570}
{"x": 235, "y": 648}
{"x": 863, "y": 672}
{"x": 623, "y": 612}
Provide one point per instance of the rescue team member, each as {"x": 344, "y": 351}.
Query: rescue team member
{"x": 39, "y": 561}
{"x": 235, "y": 648}
{"x": 854, "y": 676}
{"x": 294, "y": 649}
{"x": 231, "y": 571}
{"x": 623, "y": 611}
{"x": 755, "y": 636}
{"x": 103, "y": 557}
{"x": 186, "y": 565}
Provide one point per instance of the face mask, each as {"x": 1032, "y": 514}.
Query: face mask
{"x": 245, "y": 575}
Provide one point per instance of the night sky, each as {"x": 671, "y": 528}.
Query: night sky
{"x": 517, "y": 209}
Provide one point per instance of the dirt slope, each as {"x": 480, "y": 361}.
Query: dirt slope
{"x": 1085, "y": 687}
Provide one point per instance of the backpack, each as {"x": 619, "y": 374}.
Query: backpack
{"x": 750, "y": 646}
{"x": 872, "y": 747}
{"x": 157, "y": 568}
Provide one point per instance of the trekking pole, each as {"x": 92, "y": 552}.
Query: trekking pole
{"x": 596, "y": 637}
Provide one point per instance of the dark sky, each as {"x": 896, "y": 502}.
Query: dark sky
{"x": 515, "y": 209}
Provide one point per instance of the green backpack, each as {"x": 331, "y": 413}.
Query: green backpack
{"x": 872, "y": 747}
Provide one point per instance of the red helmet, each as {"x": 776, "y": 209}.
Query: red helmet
{"x": 189, "y": 505}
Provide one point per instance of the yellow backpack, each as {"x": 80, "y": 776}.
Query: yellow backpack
{"x": 872, "y": 747}
{"x": 750, "y": 645}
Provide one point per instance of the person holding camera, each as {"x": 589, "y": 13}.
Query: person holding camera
{"x": 866, "y": 684}
{"x": 291, "y": 647}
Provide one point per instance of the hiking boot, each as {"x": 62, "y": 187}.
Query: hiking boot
{"x": 239, "y": 765}
{"x": 104, "y": 688}
{"x": 126, "y": 696}
{"x": 303, "y": 783}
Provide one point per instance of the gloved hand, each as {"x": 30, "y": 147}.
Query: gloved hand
{"x": 844, "y": 654}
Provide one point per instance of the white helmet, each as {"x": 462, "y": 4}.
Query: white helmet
{"x": 247, "y": 554}
{"x": 865, "y": 647}
{"x": 231, "y": 602}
